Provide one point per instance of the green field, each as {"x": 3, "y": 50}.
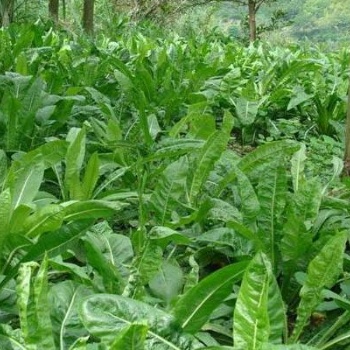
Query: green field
{"x": 165, "y": 185}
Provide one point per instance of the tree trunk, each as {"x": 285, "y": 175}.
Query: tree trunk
{"x": 346, "y": 171}
{"x": 53, "y": 9}
{"x": 6, "y": 12}
{"x": 88, "y": 16}
{"x": 64, "y": 9}
{"x": 252, "y": 20}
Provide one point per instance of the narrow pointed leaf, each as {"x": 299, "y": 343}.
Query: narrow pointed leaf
{"x": 209, "y": 154}
{"x": 298, "y": 165}
{"x": 251, "y": 323}
{"x": 53, "y": 243}
{"x": 80, "y": 210}
{"x": 26, "y": 184}
{"x": 74, "y": 161}
{"x": 253, "y": 163}
{"x": 322, "y": 272}
{"x": 272, "y": 195}
{"x": 34, "y": 308}
{"x": 250, "y": 205}
{"x": 90, "y": 177}
{"x": 5, "y": 216}
{"x": 48, "y": 218}
{"x": 194, "y": 308}
{"x": 131, "y": 338}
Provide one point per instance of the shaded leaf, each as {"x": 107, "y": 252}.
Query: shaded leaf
{"x": 167, "y": 283}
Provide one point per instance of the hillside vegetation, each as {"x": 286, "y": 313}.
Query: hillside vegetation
{"x": 313, "y": 20}
{"x": 171, "y": 187}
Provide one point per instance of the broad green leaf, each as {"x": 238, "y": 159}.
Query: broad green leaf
{"x": 209, "y": 154}
{"x": 251, "y": 316}
{"x": 74, "y": 161}
{"x": 3, "y": 167}
{"x": 148, "y": 261}
{"x": 302, "y": 211}
{"x": 170, "y": 148}
{"x": 91, "y": 176}
{"x": 53, "y": 243}
{"x": 223, "y": 211}
{"x": 80, "y": 210}
{"x": 168, "y": 195}
{"x": 253, "y": 163}
{"x": 132, "y": 338}
{"x": 194, "y": 308}
{"x": 195, "y": 111}
{"x": 26, "y": 184}
{"x": 250, "y": 205}
{"x": 32, "y": 301}
{"x": 338, "y": 165}
{"x": 272, "y": 194}
{"x": 220, "y": 235}
{"x": 322, "y": 272}
{"x": 343, "y": 302}
{"x": 19, "y": 215}
{"x": 21, "y": 64}
{"x": 298, "y": 165}
{"x": 66, "y": 298}
{"x": 116, "y": 248}
{"x": 103, "y": 263}
{"x": 246, "y": 110}
{"x": 115, "y": 175}
{"x": 277, "y": 313}
{"x": 48, "y": 218}
{"x": 246, "y": 233}
{"x": 48, "y": 154}
{"x": 154, "y": 128}
{"x": 57, "y": 242}
{"x": 79, "y": 273}
{"x": 8, "y": 300}
{"x": 202, "y": 127}
{"x": 11, "y": 339}
{"x": 5, "y": 216}
{"x": 106, "y": 315}
{"x": 192, "y": 278}
{"x": 164, "y": 235}
{"x": 167, "y": 283}
{"x": 299, "y": 96}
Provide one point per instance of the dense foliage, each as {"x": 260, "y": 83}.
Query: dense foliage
{"x": 286, "y": 20}
{"x": 171, "y": 193}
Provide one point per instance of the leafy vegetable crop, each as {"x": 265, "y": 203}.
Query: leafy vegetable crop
{"x": 162, "y": 193}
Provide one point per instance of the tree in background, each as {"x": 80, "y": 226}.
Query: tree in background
{"x": 148, "y": 8}
{"x": 253, "y": 8}
{"x": 53, "y": 9}
{"x": 88, "y": 16}
{"x": 6, "y": 12}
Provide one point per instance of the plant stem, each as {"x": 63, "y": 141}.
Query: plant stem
{"x": 341, "y": 321}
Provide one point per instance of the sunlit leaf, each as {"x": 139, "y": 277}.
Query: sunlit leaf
{"x": 194, "y": 308}
{"x": 322, "y": 272}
